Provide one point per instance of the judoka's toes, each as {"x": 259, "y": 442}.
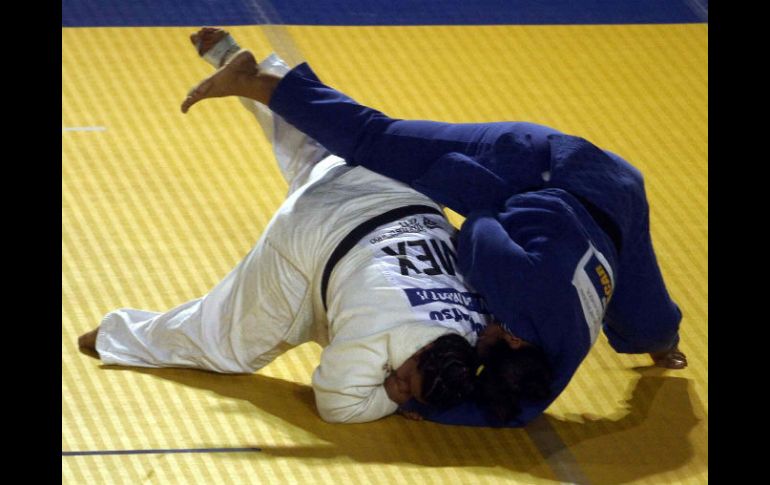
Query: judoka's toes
{"x": 672, "y": 359}
{"x": 206, "y": 38}
{"x": 677, "y": 360}
{"x": 196, "y": 94}
{"x": 87, "y": 343}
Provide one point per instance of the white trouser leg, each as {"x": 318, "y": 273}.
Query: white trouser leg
{"x": 295, "y": 152}
{"x": 241, "y": 325}
{"x": 253, "y": 315}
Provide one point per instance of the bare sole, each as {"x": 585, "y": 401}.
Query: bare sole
{"x": 238, "y": 77}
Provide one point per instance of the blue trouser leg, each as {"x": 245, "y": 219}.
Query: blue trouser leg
{"x": 641, "y": 316}
{"x": 426, "y": 154}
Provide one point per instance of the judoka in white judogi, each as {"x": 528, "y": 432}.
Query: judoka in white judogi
{"x": 395, "y": 291}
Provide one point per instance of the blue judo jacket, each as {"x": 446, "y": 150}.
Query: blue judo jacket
{"x": 556, "y": 237}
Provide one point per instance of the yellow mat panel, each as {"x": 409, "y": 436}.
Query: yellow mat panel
{"x": 158, "y": 206}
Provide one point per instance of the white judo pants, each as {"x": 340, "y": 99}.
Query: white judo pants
{"x": 252, "y": 315}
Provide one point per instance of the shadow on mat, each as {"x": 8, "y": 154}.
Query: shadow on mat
{"x": 650, "y": 436}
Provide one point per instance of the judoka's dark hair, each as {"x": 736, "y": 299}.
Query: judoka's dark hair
{"x": 509, "y": 375}
{"x": 448, "y": 370}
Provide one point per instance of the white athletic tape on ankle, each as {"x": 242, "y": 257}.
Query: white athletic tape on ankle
{"x": 221, "y": 51}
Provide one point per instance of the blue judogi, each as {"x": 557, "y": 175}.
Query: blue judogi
{"x": 556, "y": 236}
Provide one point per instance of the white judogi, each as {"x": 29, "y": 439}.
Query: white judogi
{"x": 390, "y": 295}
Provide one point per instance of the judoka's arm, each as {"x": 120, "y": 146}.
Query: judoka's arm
{"x": 504, "y": 256}
{"x": 465, "y": 414}
{"x": 349, "y": 384}
{"x": 483, "y": 240}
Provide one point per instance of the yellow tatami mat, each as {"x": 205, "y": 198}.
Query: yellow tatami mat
{"x": 158, "y": 206}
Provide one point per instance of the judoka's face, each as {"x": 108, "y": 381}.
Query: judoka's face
{"x": 406, "y": 382}
{"x": 494, "y": 332}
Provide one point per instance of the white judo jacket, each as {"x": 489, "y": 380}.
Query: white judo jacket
{"x": 394, "y": 292}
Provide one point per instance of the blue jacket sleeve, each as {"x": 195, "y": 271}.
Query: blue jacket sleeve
{"x": 522, "y": 259}
{"x": 465, "y": 414}
{"x": 498, "y": 267}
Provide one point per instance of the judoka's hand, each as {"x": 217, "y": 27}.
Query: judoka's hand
{"x": 397, "y": 389}
{"x": 670, "y": 359}
{"x": 405, "y": 382}
{"x": 414, "y": 415}
{"x": 87, "y": 343}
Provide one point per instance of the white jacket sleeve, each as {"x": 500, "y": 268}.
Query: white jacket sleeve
{"x": 295, "y": 151}
{"x": 349, "y": 382}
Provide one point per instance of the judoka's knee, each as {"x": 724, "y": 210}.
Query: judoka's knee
{"x": 633, "y": 184}
{"x": 628, "y": 341}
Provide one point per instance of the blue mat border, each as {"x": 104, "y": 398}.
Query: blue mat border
{"x": 126, "y": 13}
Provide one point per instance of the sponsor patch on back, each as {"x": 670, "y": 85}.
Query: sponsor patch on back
{"x": 594, "y": 282}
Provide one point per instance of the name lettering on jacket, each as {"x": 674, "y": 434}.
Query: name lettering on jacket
{"x": 431, "y": 257}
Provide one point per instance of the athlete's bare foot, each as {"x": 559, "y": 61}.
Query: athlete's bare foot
{"x": 87, "y": 343}
{"x": 670, "y": 359}
{"x": 240, "y": 76}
